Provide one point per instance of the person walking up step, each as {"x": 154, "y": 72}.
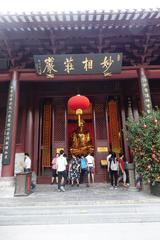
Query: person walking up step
{"x": 61, "y": 170}
{"x": 113, "y": 170}
{"x": 91, "y": 167}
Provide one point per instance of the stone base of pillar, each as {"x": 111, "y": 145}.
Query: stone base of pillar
{"x": 7, "y": 187}
{"x": 131, "y": 174}
{"x": 146, "y": 188}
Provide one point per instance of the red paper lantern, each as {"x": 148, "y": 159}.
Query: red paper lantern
{"x": 78, "y": 102}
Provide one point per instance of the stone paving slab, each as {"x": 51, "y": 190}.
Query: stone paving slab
{"x": 96, "y": 204}
{"x": 96, "y": 194}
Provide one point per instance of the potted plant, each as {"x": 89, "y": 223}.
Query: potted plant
{"x": 144, "y": 141}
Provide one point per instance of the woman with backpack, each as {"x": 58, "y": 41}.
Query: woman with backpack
{"x": 84, "y": 171}
{"x": 113, "y": 170}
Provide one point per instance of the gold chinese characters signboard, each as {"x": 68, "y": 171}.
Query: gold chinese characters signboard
{"x": 102, "y": 149}
{"x": 70, "y": 64}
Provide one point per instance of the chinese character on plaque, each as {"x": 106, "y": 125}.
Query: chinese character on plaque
{"x": 106, "y": 64}
{"x": 68, "y": 63}
{"x": 49, "y": 66}
{"x": 88, "y": 64}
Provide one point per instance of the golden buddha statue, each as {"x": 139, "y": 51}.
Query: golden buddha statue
{"x": 81, "y": 141}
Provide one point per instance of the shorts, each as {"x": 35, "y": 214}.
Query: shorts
{"x": 54, "y": 173}
{"x": 62, "y": 174}
{"x": 90, "y": 169}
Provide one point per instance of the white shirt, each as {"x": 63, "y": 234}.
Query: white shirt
{"x": 109, "y": 157}
{"x": 61, "y": 163}
{"x": 108, "y": 162}
{"x": 27, "y": 162}
{"x": 90, "y": 161}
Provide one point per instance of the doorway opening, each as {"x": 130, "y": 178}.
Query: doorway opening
{"x": 80, "y": 138}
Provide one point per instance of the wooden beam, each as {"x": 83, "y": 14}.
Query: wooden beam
{"x": 5, "y": 77}
{"x": 126, "y": 74}
{"x": 153, "y": 74}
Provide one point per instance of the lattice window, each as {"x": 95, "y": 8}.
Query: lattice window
{"x": 46, "y": 138}
{"x": 101, "y": 131}
{"x": 59, "y": 123}
{"x": 114, "y": 128}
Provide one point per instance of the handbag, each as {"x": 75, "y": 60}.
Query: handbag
{"x": 104, "y": 162}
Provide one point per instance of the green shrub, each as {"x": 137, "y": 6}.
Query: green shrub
{"x": 144, "y": 141}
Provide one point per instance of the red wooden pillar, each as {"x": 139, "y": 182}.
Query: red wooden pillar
{"x": 36, "y": 136}
{"x": 9, "y": 146}
{"x": 29, "y": 131}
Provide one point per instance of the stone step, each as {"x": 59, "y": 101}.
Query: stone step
{"x": 79, "y": 214}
